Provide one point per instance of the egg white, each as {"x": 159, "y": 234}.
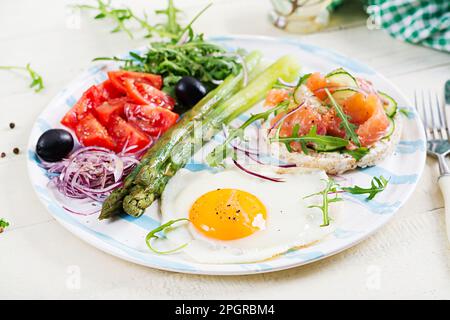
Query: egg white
{"x": 290, "y": 223}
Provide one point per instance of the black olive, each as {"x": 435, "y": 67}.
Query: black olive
{"x": 188, "y": 91}
{"x": 54, "y": 145}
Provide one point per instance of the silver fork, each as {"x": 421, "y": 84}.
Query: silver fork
{"x": 435, "y": 122}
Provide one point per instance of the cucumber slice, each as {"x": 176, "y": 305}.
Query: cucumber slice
{"x": 342, "y": 78}
{"x": 297, "y": 92}
{"x": 303, "y": 79}
{"x": 390, "y": 105}
{"x": 341, "y": 95}
{"x": 390, "y": 130}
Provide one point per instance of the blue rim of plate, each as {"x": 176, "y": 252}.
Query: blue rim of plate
{"x": 290, "y": 259}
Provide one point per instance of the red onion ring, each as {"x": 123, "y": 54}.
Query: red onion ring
{"x": 90, "y": 173}
{"x": 256, "y": 174}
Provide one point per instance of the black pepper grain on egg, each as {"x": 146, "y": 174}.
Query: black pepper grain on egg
{"x": 16, "y": 150}
{"x": 12, "y": 125}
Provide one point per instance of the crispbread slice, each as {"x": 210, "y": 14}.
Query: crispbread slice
{"x": 336, "y": 162}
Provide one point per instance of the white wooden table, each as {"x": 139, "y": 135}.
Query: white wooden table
{"x": 409, "y": 258}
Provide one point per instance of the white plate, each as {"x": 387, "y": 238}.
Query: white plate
{"x": 124, "y": 238}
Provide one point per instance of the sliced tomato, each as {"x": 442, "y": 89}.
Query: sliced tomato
{"x": 118, "y": 78}
{"x": 113, "y": 107}
{"x": 150, "y": 119}
{"x": 88, "y": 100}
{"x": 91, "y": 99}
{"x": 125, "y": 135}
{"x": 90, "y": 132}
{"x": 107, "y": 90}
{"x": 143, "y": 93}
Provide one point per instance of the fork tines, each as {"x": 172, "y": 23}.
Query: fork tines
{"x": 433, "y": 114}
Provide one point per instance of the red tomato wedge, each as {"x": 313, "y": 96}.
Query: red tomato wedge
{"x": 143, "y": 93}
{"x": 125, "y": 135}
{"x": 118, "y": 79}
{"x": 91, "y": 99}
{"x": 108, "y": 109}
{"x": 107, "y": 90}
{"x": 152, "y": 120}
{"x": 88, "y": 100}
{"x": 90, "y": 132}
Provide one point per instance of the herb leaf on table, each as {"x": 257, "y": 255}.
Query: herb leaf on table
{"x": 3, "y": 224}
{"x": 124, "y": 16}
{"x": 183, "y": 53}
{"x": 36, "y": 79}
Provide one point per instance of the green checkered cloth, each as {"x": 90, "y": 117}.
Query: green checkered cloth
{"x": 415, "y": 21}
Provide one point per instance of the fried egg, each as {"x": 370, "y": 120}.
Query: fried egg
{"x": 235, "y": 217}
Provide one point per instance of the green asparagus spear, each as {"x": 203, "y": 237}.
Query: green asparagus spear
{"x": 150, "y": 183}
{"x": 155, "y": 158}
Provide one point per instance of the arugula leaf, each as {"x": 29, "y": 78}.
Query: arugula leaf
{"x": 358, "y": 153}
{"x": 377, "y": 185}
{"x": 171, "y": 25}
{"x": 216, "y": 157}
{"x": 187, "y": 34}
{"x": 3, "y": 224}
{"x": 123, "y": 16}
{"x": 181, "y": 53}
{"x": 303, "y": 79}
{"x": 202, "y": 60}
{"x": 330, "y": 188}
{"x": 349, "y": 127}
{"x": 163, "y": 228}
{"x": 36, "y": 80}
{"x": 321, "y": 142}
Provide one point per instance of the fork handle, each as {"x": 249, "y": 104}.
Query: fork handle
{"x": 444, "y": 184}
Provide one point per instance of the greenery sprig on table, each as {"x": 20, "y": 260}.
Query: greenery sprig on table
{"x": 36, "y": 80}
{"x": 123, "y": 17}
{"x": 181, "y": 52}
{"x": 3, "y": 224}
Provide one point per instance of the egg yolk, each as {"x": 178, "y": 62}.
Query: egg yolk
{"x": 228, "y": 214}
